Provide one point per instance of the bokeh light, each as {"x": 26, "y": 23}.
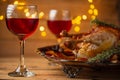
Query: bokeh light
{"x": 90, "y": 1}
{"x": 77, "y": 28}
{"x": 76, "y": 20}
{"x": 84, "y": 17}
{"x": 1, "y": 17}
{"x": 15, "y": 2}
{"x": 90, "y": 11}
{"x": 92, "y": 6}
{"x": 95, "y": 12}
{"x": 43, "y": 34}
{"x": 27, "y": 14}
{"x": 41, "y": 28}
{"x": 26, "y": 10}
{"x": 41, "y": 14}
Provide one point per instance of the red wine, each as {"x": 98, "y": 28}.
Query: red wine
{"x": 56, "y": 26}
{"x": 22, "y": 27}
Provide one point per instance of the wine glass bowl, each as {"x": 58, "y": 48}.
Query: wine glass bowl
{"x": 22, "y": 21}
{"x": 59, "y": 20}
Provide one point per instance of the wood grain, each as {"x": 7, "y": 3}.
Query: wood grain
{"x": 44, "y": 71}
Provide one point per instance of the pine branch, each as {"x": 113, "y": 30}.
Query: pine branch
{"x": 105, "y": 55}
{"x": 104, "y": 24}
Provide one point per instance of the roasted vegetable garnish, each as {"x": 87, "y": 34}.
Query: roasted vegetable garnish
{"x": 105, "y": 55}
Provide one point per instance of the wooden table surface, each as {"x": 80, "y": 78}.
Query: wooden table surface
{"x": 44, "y": 71}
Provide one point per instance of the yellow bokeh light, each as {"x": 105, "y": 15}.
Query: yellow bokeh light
{"x": 77, "y": 28}
{"x": 90, "y": 1}
{"x": 92, "y": 6}
{"x": 27, "y": 14}
{"x": 34, "y": 15}
{"x": 15, "y": 2}
{"x": 41, "y": 14}
{"x": 41, "y": 28}
{"x": 43, "y": 34}
{"x": 73, "y": 21}
{"x": 90, "y": 11}
{"x": 77, "y": 20}
{"x": 1, "y": 17}
{"x": 95, "y": 12}
{"x": 84, "y": 17}
{"x": 78, "y": 17}
{"x": 26, "y": 10}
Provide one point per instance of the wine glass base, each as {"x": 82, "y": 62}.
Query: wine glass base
{"x": 21, "y": 73}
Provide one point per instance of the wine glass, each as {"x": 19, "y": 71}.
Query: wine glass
{"x": 59, "y": 20}
{"x": 22, "y": 21}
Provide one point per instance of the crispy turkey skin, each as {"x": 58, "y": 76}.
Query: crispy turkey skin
{"x": 97, "y": 41}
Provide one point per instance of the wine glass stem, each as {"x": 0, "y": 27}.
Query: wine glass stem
{"x": 21, "y": 70}
{"x": 22, "y": 43}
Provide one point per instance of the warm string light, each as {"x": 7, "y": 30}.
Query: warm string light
{"x": 90, "y": 1}
{"x": 18, "y": 3}
{"x": 77, "y": 29}
{"x": 1, "y": 17}
{"x": 92, "y": 11}
{"x": 43, "y": 32}
{"x": 41, "y": 14}
{"x": 84, "y": 17}
{"x": 42, "y": 28}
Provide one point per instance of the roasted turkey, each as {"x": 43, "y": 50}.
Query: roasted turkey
{"x": 88, "y": 45}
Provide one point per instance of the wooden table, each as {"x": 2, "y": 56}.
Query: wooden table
{"x": 44, "y": 71}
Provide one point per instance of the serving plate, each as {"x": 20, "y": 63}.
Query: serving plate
{"x": 71, "y": 66}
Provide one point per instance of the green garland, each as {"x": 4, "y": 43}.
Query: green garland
{"x": 101, "y": 23}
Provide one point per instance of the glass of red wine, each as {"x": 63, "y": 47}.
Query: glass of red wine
{"x": 59, "y": 20}
{"x": 22, "y": 21}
